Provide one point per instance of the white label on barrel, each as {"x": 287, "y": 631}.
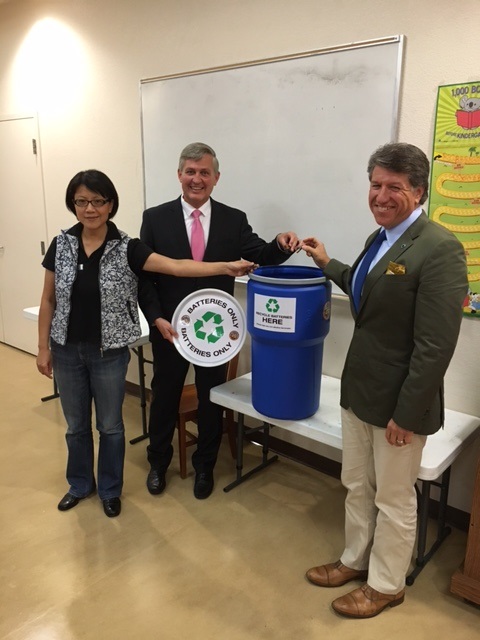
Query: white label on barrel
{"x": 274, "y": 314}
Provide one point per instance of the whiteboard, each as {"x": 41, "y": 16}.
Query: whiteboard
{"x": 292, "y": 135}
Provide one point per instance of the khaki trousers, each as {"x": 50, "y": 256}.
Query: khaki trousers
{"x": 381, "y": 502}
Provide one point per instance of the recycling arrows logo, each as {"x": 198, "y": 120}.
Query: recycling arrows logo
{"x": 272, "y": 305}
{"x": 208, "y": 327}
{"x": 211, "y": 327}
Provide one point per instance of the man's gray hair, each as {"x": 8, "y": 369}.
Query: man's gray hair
{"x": 196, "y": 151}
{"x": 401, "y": 157}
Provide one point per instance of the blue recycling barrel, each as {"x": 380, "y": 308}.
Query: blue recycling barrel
{"x": 288, "y": 317}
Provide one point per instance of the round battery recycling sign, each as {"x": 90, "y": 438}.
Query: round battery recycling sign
{"x": 211, "y": 327}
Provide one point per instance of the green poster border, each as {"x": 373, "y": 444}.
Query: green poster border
{"x": 454, "y": 200}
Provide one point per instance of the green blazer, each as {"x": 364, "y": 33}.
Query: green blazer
{"x": 406, "y": 329}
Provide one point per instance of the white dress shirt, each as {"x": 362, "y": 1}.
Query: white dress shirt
{"x": 205, "y": 219}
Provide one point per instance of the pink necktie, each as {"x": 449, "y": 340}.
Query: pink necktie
{"x": 197, "y": 240}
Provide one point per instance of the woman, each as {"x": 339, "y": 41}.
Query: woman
{"x": 88, "y": 317}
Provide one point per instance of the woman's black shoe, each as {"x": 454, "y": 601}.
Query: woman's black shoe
{"x": 68, "y": 501}
{"x": 112, "y": 507}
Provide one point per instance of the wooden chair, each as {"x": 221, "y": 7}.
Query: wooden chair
{"x": 187, "y": 412}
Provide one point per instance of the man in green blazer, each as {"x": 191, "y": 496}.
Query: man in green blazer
{"x": 407, "y": 308}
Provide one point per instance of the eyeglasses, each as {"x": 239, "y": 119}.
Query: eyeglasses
{"x": 96, "y": 202}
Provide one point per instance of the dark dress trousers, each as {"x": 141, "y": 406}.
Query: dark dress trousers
{"x": 230, "y": 238}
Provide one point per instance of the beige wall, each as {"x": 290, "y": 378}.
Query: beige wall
{"x": 78, "y": 65}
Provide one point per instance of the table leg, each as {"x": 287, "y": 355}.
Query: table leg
{"x": 442, "y": 530}
{"x": 241, "y": 432}
{"x": 143, "y": 396}
{"x": 53, "y": 395}
{"x": 239, "y": 466}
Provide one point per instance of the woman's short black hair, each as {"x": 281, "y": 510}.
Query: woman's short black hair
{"x": 97, "y": 182}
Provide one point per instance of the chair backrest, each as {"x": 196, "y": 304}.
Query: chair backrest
{"x": 188, "y": 413}
{"x": 232, "y": 367}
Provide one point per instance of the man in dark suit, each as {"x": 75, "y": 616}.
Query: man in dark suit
{"x": 226, "y": 233}
{"x": 407, "y": 314}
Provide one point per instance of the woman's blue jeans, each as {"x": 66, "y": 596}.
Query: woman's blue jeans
{"x": 83, "y": 373}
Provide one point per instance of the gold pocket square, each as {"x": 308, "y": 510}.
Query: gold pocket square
{"x": 395, "y": 269}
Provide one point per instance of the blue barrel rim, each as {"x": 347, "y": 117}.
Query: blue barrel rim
{"x": 314, "y": 280}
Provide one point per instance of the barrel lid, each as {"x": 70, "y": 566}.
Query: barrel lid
{"x": 211, "y": 327}
{"x": 288, "y": 275}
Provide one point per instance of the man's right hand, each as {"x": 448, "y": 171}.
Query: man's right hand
{"x": 316, "y": 250}
{"x": 166, "y": 329}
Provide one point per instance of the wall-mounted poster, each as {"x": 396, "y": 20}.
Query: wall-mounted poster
{"x": 455, "y": 176}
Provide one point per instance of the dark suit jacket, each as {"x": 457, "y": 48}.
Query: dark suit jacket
{"x": 406, "y": 329}
{"x": 230, "y": 238}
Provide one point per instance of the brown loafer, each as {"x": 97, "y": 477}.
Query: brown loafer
{"x": 334, "y": 575}
{"x": 366, "y": 602}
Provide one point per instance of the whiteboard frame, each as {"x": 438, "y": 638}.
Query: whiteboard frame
{"x": 399, "y": 40}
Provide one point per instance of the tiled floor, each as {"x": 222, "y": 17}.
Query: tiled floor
{"x": 173, "y": 567}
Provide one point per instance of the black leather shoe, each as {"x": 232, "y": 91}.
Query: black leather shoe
{"x": 203, "y": 486}
{"x": 68, "y": 501}
{"x": 112, "y": 507}
{"x": 156, "y": 482}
